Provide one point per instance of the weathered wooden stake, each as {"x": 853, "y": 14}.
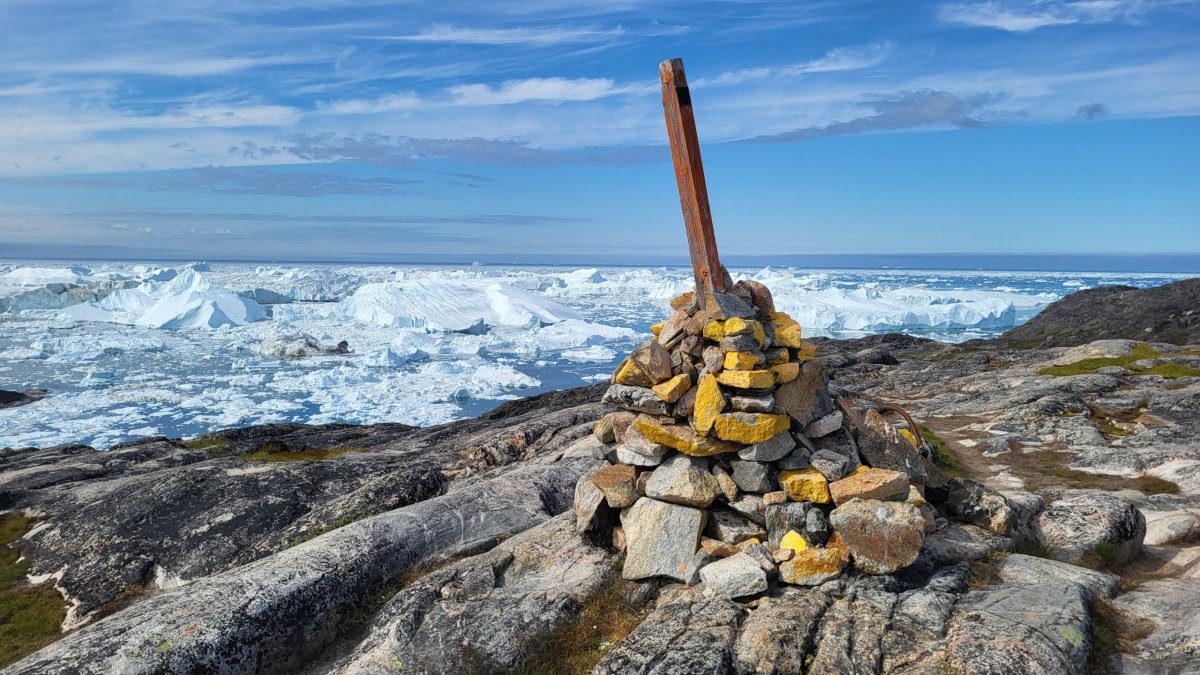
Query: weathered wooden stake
{"x": 689, "y": 173}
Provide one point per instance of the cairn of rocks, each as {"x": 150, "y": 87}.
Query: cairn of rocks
{"x": 728, "y": 461}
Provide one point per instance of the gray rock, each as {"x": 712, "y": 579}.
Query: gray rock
{"x": 660, "y": 538}
{"x": 739, "y": 343}
{"x": 634, "y": 441}
{"x": 639, "y": 399}
{"x": 823, "y": 426}
{"x": 714, "y": 359}
{"x": 796, "y": 459}
{"x": 618, "y": 483}
{"x": 882, "y": 447}
{"x": 882, "y": 536}
{"x": 754, "y": 404}
{"x": 1024, "y": 569}
{"x": 683, "y": 480}
{"x": 722, "y": 306}
{"x": 1040, "y": 629}
{"x": 1074, "y": 526}
{"x": 831, "y": 465}
{"x": 751, "y": 507}
{"x": 682, "y": 637}
{"x": 756, "y": 477}
{"x": 691, "y": 572}
{"x": 625, "y": 456}
{"x": 805, "y": 398}
{"x": 1172, "y": 607}
{"x": 769, "y": 450}
{"x": 980, "y": 505}
{"x": 762, "y": 555}
{"x": 960, "y": 541}
{"x": 494, "y": 607}
{"x": 763, "y": 648}
{"x": 783, "y": 517}
{"x": 731, "y": 527}
{"x": 250, "y": 617}
{"x": 737, "y": 576}
{"x": 816, "y": 527}
{"x": 725, "y": 483}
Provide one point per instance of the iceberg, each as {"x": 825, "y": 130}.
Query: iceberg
{"x": 186, "y": 301}
{"x": 44, "y": 276}
{"x": 452, "y": 306}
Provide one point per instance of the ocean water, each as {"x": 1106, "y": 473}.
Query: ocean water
{"x": 129, "y": 350}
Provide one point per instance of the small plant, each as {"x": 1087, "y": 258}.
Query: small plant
{"x": 30, "y": 616}
{"x": 1032, "y": 547}
{"x": 943, "y": 456}
{"x": 214, "y": 444}
{"x": 1139, "y": 352}
{"x": 278, "y": 452}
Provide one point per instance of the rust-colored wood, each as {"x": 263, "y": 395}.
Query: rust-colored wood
{"x": 689, "y": 173}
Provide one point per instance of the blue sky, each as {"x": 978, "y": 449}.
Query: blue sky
{"x": 362, "y": 130}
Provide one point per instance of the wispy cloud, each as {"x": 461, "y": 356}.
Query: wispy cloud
{"x": 540, "y": 36}
{"x": 261, "y": 181}
{"x": 552, "y": 89}
{"x": 836, "y": 60}
{"x": 1022, "y": 16}
{"x": 907, "y": 110}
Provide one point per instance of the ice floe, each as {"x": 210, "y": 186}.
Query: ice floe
{"x": 452, "y": 306}
{"x": 186, "y": 301}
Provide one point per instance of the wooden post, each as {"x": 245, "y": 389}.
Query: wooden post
{"x": 689, "y": 173}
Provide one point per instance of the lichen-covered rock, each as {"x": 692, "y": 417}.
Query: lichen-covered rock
{"x": 805, "y": 485}
{"x": 682, "y": 438}
{"x": 784, "y": 518}
{"x": 979, "y": 505}
{"x": 750, "y": 428}
{"x": 618, "y": 483}
{"x": 812, "y": 567}
{"x": 683, "y": 480}
{"x": 964, "y": 542}
{"x": 879, "y": 484}
{"x": 710, "y": 402}
{"x": 746, "y": 379}
{"x": 1091, "y": 522}
{"x": 882, "y": 536}
{"x": 736, "y": 576}
{"x": 672, "y": 389}
{"x": 660, "y": 538}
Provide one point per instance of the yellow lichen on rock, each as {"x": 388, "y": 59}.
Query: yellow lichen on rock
{"x": 710, "y": 403}
{"x": 908, "y": 435}
{"x": 750, "y": 428}
{"x": 812, "y": 566}
{"x": 806, "y": 351}
{"x": 786, "y": 372}
{"x": 794, "y": 541}
{"x": 657, "y": 328}
{"x": 714, "y": 330}
{"x": 787, "y": 330}
{"x": 672, "y": 389}
{"x": 742, "y": 360}
{"x": 628, "y": 373}
{"x": 805, "y": 485}
{"x": 682, "y": 438}
{"x": 747, "y": 379}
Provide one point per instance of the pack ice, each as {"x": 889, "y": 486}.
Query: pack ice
{"x": 186, "y": 301}
{"x": 458, "y": 306}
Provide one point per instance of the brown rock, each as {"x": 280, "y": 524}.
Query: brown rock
{"x": 673, "y": 330}
{"x": 811, "y": 567}
{"x": 717, "y": 548}
{"x": 880, "y": 484}
{"x": 805, "y": 398}
{"x": 685, "y": 302}
{"x": 617, "y": 482}
{"x": 760, "y": 295}
{"x": 882, "y": 536}
{"x": 654, "y": 360}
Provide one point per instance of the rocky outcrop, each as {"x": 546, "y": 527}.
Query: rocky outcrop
{"x": 12, "y": 399}
{"x": 1165, "y": 313}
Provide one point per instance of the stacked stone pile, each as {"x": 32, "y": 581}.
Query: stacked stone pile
{"x": 730, "y": 463}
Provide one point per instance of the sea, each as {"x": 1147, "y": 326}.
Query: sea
{"x": 127, "y": 350}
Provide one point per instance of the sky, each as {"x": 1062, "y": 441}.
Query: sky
{"x": 361, "y": 130}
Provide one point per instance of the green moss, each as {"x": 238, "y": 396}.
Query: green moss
{"x": 943, "y": 455}
{"x": 1169, "y": 371}
{"x": 277, "y": 452}
{"x": 211, "y": 443}
{"x": 1140, "y": 351}
{"x": 30, "y": 616}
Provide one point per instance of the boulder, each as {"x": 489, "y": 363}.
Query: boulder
{"x": 682, "y": 438}
{"x": 882, "y": 536}
{"x": 823, "y": 426}
{"x": 964, "y": 542}
{"x": 883, "y": 447}
{"x": 592, "y": 512}
{"x": 806, "y": 398}
{"x": 660, "y": 538}
{"x": 1091, "y": 523}
{"x": 980, "y": 505}
{"x": 679, "y": 637}
{"x": 618, "y": 483}
{"x": 1024, "y": 569}
{"x": 805, "y": 485}
{"x": 737, "y": 576}
{"x": 750, "y": 428}
{"x": 831, "y": 465}
{"x": 683, "y": 480}
{"x": 654, "y": 360}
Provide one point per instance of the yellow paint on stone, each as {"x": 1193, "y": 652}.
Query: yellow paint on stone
{"x": 714, "y": 330}
{"x": 682, "y": 438}
{"x": 794, "y": 541}
{"x": 751, "y": 428}
{"x": 805, "y": 485}
{"x": 747, "y": 379}
{"x": 672, "y": 389}
{"x": 742, "y": 360}
{"x": 786, "y": 372}
{"x": 710, "y": 402}
{"x": 657, "y": 328}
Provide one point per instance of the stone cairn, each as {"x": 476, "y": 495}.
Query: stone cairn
{"x": 729, "y": 462}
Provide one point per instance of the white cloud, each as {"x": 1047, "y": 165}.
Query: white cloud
{"x": 546, "y": 89}
{"x": 390, "y": 103}
{"x": 836, "y": 60}
{"x": 1028, "y": 15}
{"x": 540, "y": 36}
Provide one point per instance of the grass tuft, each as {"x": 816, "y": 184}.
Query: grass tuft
{"x": 213, "y": 444}
{"x": 943, "y": 455}
{"x": 1114, "y": 633}
{"x": 318, "y": 530}
{"x": 30, "y": 616}
{"x": 1045, "y": 469}
{"x": 1139, "y": 352}
{"x": 278, "y": 452}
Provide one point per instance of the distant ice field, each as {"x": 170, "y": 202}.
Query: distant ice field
{"x": 129, "y": 351}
